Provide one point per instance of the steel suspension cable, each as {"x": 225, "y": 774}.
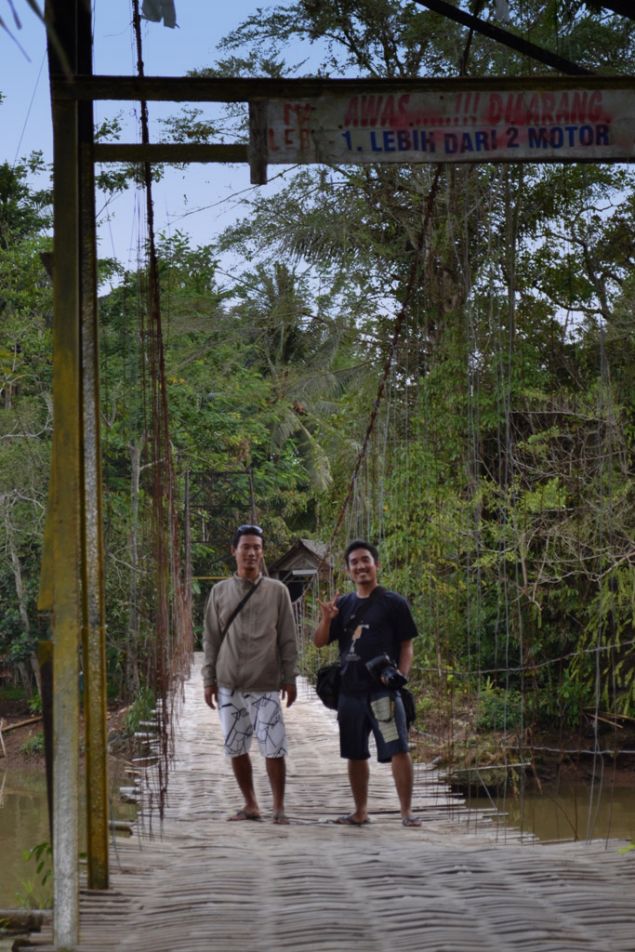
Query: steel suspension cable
{"x": 411, "y": 286}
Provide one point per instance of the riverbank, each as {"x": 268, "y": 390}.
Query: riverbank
{"x": 449, "y": 742}
{"x": 24, "y": 822}
{"x": 22, "y": 743}
{"x": 23, "y": 739}
{"x": 454, "y": 744}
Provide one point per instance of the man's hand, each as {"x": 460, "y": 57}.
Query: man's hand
{"x": 290, "y": 692}
{"x": 329, "y": 608}
{"x": 211, "y": 696}
{"x": 329, "y": 611}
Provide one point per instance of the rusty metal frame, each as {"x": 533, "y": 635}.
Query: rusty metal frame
{"x": 505, "y": 37}
{"x": 256, "y": 92}
{"x": 72, "y": 584}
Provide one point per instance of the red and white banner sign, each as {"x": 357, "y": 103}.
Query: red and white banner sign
{"x": 537, "y": 125}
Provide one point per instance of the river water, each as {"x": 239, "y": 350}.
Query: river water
{"x": 23, "y": 825}
{"x": 567, "y": 811}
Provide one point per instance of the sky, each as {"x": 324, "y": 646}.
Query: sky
{"x": 25, "y": 116}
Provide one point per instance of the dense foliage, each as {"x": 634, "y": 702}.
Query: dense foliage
{"x": 25, "y": 408}
{"x": 499, "y": 476}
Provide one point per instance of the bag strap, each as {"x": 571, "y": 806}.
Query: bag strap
{"x": 362, "y": 609}
{"x": 239, "y": 607}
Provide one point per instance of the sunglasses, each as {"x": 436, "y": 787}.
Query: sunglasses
{"x": 249, "y": 530}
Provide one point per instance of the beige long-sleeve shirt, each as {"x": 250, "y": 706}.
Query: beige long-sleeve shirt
{"x": 259, "y": 651}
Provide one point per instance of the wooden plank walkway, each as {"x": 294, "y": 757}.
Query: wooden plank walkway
{"x": 198, "y": 883}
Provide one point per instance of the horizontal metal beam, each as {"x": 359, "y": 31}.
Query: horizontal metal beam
{"x": 169, "y": 152}
{"x": 204, "y": 89}
{"x": 506, "y": 37}
{"x": 623, "y": 7}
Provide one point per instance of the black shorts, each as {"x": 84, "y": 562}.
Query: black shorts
{"x": 381, "y": 712}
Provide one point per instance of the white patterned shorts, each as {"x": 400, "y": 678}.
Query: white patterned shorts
{"x": 244, "y": 714}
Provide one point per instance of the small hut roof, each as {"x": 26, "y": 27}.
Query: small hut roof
{"x": 303, "y": 553}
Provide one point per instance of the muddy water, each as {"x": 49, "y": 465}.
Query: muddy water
{"x": 23, "y": 825}
{"x": 571, "y": 811}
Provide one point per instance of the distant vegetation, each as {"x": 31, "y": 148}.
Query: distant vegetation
{"x": 498, "y": 479}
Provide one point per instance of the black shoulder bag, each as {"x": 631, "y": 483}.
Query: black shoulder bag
{"x": 327, "y": 679}
{"x": 327, "y": 684}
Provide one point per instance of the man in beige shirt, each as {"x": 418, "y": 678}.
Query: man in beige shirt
{"x": 250, "y": 666}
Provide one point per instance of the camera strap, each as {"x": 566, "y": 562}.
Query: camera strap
{"x": 360, "y": 610}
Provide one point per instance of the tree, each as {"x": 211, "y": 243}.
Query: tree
{"x": 25, "y": 406}
{"x": 498, "y": 472}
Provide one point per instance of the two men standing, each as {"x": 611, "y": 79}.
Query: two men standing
{"x": 250, "y": 665}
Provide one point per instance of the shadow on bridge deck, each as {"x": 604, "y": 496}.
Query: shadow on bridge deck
{"x": 195, "y": 882}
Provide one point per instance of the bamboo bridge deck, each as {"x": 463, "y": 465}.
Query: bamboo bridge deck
{"x": 195, "y": 882}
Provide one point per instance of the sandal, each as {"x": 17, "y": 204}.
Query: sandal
{"x": 411, "y": 821}
{"x": 281, "y": 819}
{"x": 243, "y": 815}
{"x": 349, "y": 820}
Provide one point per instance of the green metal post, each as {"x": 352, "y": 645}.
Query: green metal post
{"x": 64, "y": 522}
{"x": 94, "y": 648}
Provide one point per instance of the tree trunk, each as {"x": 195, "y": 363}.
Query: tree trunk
{"x": 25, "y": 674}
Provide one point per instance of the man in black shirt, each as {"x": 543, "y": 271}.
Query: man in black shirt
{"x": 370, "y": 624}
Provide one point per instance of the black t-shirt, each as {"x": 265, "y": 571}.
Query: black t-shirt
{"x": 383, "y": 623}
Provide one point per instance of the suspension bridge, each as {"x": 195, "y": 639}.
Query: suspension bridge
{"x": 194, "y": 881}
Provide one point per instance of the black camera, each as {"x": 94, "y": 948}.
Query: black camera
{"x": 385, "y": 670}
